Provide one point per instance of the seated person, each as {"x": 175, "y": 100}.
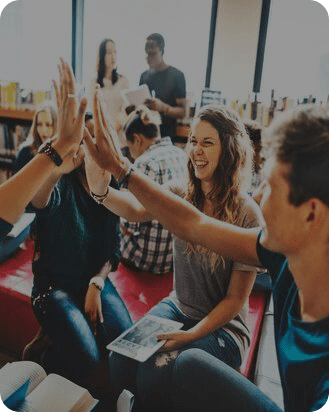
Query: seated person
{"x": 293, "y": 246}
{"x": 210, "y": 295}
{"x": 44, "y": 126}
{"x": 77, "y": 243}
{"x": 147, "y": 246}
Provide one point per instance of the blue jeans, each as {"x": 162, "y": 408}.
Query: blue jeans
{"x": 77, "y": 352}
{"x": 204, "y": 383}
{"x": 151, "y": 382}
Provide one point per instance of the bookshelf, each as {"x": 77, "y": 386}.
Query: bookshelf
{"x": 20, "y": 115}
{"x": 14, "y": 126}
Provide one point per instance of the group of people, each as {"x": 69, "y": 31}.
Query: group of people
{"x": 219, "y": 235}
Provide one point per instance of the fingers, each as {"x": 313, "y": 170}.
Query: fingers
{"x": 79, "y": 123}
{"x": 165, "y": 336}
{"x": 57, "y": 93}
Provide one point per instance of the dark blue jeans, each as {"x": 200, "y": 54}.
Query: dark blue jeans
{"x": 203, "y": 383}
{"x": 152, "y": 380}
{"x": 77, "y": 352}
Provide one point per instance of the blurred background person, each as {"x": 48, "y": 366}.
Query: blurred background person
{"x": 111, "y": 84}
{"x": 167, "y": 86}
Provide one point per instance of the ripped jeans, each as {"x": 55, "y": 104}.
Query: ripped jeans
{"x": 77, "y": 352}
{"x": 151, "y": 381}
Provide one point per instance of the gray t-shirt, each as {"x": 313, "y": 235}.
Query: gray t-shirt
{"x": 198, "y": 288}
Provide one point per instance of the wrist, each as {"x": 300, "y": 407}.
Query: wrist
{"x": 167, "y": 109}
{"x": 97, "y": 282}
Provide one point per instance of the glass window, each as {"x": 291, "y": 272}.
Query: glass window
{"x": 33, "y": 35}
{"x": 296, "y": 61}
{"x": 184, "y": 25}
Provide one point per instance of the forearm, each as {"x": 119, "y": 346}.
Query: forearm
{"x": 177, "y": 112}
{"x": 221, "y": 315}
{"x": 42, "y": 197}
{"x": 18, "y": 191}
{"x": 188, "y": 223}
{"x": 125, "y": 204}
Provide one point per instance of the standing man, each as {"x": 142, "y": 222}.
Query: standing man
{"x": 167, "y": 86}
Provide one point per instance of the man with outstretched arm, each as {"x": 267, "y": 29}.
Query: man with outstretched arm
{"x": 293, "y": 246}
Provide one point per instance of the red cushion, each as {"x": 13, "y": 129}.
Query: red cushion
{"x": 141, "y": 290}
{"x": 18, "y": 324}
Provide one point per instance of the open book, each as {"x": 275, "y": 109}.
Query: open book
{"x": 25, "y": 387}
{"x": 139, "y": 342}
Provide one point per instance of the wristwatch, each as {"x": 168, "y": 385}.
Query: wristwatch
{"x": 98, "y": 282}
{"x": 48, "y": 149}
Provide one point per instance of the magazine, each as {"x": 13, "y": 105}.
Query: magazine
{"x": 139, "y": 342}
{"x": 25, "y": 387}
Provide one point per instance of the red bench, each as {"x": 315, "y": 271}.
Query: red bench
{"x": 140, "y": 291}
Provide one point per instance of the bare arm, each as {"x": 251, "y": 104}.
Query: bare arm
{"x": 239, "y": 289}
{"x": 19, "y": 190}
{"x": 171, "y": 111}
{"x": 176, "y": 214}
{"x": 125, "y": 204}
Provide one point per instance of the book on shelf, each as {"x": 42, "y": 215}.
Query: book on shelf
{"x": 25, "y": 387}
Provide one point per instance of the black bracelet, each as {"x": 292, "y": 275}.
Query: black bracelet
{"x": 100, "y": 198}
{"x": 48, "y": 149}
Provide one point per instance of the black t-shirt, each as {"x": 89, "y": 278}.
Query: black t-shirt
{"x": 74, "y": 237}
{"x": 168, "y": 86}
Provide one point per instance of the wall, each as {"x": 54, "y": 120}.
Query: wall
{"x": 235, "y": 47}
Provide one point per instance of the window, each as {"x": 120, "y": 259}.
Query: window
{"x": 33, "y": 35}
{"x": 296, "y": 62}
{"x": 184, "y": 25}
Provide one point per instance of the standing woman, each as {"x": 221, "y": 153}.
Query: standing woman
{"x": 44, "y": 126}
{"x": 210, "y": 295}
{"x": 111, "y": 84}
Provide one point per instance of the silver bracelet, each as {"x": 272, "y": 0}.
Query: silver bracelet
{"x": 98, "y": 281}
{"x": 100, "y": 198}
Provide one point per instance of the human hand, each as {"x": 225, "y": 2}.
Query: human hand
{"x": 70, "y": 162}
{"x": 105, "y": 150}
{"x": 93, "y": 307}
{"x": 98, "y": 179}
{"x": 175, "y": 340}
{"x": 70, "y": 119}
{"x": 156, "y": 104}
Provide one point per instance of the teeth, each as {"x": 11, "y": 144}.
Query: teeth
{"x": 200, "y": 163}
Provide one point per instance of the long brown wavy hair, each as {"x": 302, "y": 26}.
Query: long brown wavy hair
{"x": 232, "y": 176}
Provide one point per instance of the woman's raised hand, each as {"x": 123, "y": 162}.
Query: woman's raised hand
{"x": 106, "y": 150}
{"x": 70, "y": 119}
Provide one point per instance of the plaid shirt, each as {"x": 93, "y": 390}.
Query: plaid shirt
{"x": 148, "y": 246}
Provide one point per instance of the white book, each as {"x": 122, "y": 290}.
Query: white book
{"x": 139, "y": 342}
{"x": 21, "y": 224}
{"x": 136, "y": 96}
{"x": 25, "y": 387}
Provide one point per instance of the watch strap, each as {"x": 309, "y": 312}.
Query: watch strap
{"x": 48, "y": 149}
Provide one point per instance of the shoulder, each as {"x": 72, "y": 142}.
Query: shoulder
{"x": 176, "y": 72}
{"x": 250, "y": 213}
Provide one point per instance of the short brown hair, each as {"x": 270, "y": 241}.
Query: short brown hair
{"x": 301, "y": 139}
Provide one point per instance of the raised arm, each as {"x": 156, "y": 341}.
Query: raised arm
{"x": 19, "y": 190}
{"x": 176, "y": 214}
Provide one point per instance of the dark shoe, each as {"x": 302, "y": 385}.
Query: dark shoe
{"x": 34, "y": 350}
